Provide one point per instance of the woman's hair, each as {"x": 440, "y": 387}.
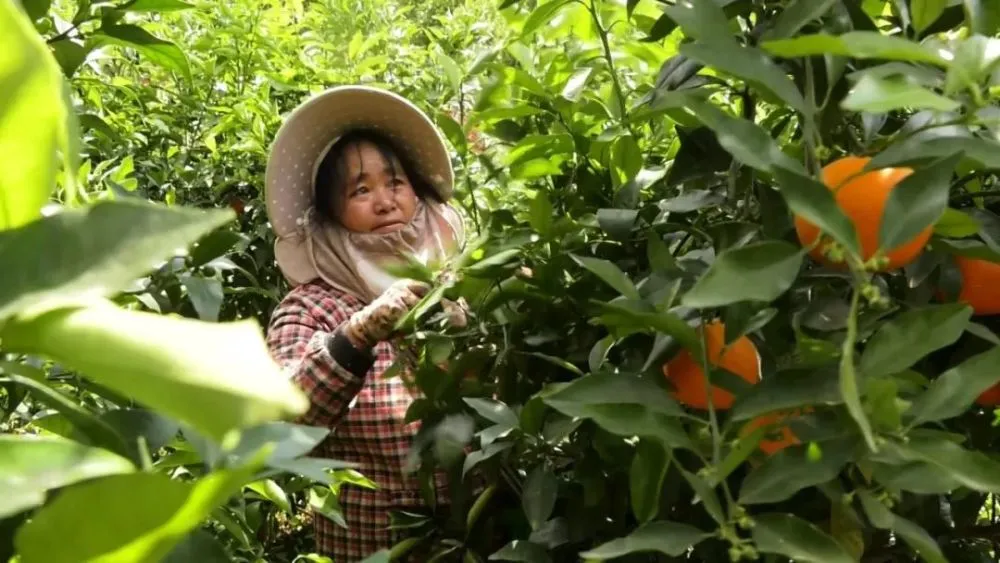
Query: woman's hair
{"x": 331, "y": 175}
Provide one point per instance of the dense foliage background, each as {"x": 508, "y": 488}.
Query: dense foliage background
{"x": 631, "y": 171}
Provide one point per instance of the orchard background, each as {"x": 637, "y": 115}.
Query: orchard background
{"x": 631, "y": 172}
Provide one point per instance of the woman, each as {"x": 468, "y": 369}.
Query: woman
{"x": 356, "y": 177}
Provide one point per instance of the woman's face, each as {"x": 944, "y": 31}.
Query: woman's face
{"x": 377, "y": 195}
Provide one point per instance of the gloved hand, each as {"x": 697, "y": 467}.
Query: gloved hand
{"x": 376, "y": 321}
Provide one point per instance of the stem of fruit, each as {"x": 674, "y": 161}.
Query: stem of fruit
{"x": 848, "y": 375}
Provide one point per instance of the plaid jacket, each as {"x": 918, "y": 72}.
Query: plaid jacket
{"x": 366, "y": 413}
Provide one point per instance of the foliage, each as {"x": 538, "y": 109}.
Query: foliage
{"x": 632, "y": 172}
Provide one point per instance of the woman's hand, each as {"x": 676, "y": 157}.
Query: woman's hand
{"x": 376, "y": 321}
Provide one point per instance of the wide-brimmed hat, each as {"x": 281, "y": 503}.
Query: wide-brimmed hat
{"x": 308, "y": 133}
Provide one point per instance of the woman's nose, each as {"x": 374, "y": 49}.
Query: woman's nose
{"x": 384, "y": 201}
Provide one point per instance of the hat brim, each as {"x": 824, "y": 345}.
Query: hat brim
{"x": 311, "y": 127}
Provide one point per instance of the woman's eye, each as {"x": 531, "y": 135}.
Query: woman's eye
{"x": 360, "y": 190}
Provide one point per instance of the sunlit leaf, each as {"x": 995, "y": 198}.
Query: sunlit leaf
{"x": 31, "y": 465}
{"x": 32, "y": 120}
{"x": 216, "y": 377}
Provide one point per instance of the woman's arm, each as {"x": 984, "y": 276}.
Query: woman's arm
{"x": 321, "y": 362}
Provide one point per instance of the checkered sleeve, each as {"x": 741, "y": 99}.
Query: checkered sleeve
{"x": 304, "y": 339}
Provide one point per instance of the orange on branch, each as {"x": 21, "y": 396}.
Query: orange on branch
{"x": 980, "y": 284}
{"x": 778, "y": 435}
{"x": 688, "y": 378}
{"x": 990, "y": 397}
{"x": 862, "y": 198}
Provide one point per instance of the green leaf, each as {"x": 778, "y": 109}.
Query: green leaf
{"x": 271, "y": 491}
{"x": 788, "y": 389}
{"x": 541, "y": 213}
{"x": 453, "y": 131}
{"x": 158, "y": 51}
{"x": 92, "y": 252}
{"x": 576, "y": 83}
{"x": 745, "y": 140}
{"x": 36, "y": 9}
{"x": 882, "y": 95}
{"x": 625, "y": 317}
{"x": 971, "y": 469}
{"x": 984, "y": 153}
{"x": 215, "y": 377}
{"x": 608, "y": 388}
{"x": 145, "y": 6}
{"x": 523, "y": 551}
{"x": 761, "y": 271}
{"x": 982, "y": 16}
{"x": 539, "y": 496}
{"x": 288, "y": 441}
{"x": 915, "y": 536}
{"x": 649, "y": 469}
{"x": 617, "y": 222}
{"x": 88, "y": 425}
{"x": 749, "y": 64}
{"x": 925, "y": 12}
{"x": 955, "y": 223}
{"x": 705, "y": 494}
{"x": 315, "y": 468}
{"x": 542, "y": 15}
{"x": 143, "y": 516}
{"x": 452, "y": 71}
{"x": 200, "y": 546}
{"x": 31, "y": 465}
{"x": 206, "y": 294}
{"x": 856, "y": 44}
{"x": 790, "y": 470}
{"x": 917, "y": 477}
{"x": 32, "y": 121}
{"x": 899, "y": 343}
{"x": 811, "y": 200}
{"x": 69, "y": 54}
{"x": 214, "y": 245}
{"x": 624, "y": 405}
{"x": 955, "y": 390}
{"x": 788, "y": 535}
{"x": 975, "y": 58}
{"x": 797, "y": 15}
{"x": 704, "y": 21}
{"x": 493, "y": 410}
{"x": 917, "y": 202}
{"x": 658, "y": 254}
{"x": 668, "y": 538}
{"x": 609, "y": 274}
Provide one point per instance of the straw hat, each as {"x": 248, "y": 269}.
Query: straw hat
{"x": 309, "y": 132}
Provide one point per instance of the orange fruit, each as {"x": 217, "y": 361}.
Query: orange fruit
{"x": 990, "y": 397}
{"x": 685, "y": 373}
{"x": 980, "y": 284}
{"x": 777, "y": 438}
{"x": 862, "y": 198}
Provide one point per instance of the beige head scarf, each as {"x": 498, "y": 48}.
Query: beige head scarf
{"x": 359, "y": 263}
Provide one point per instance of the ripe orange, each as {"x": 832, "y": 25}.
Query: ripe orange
{"x": 980, "y": 284}
{"x": 990, "y": 397}
{"x": 685, "y": 373}
{"x": 862, "y": 198}
{"x": 776, "y": 438}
